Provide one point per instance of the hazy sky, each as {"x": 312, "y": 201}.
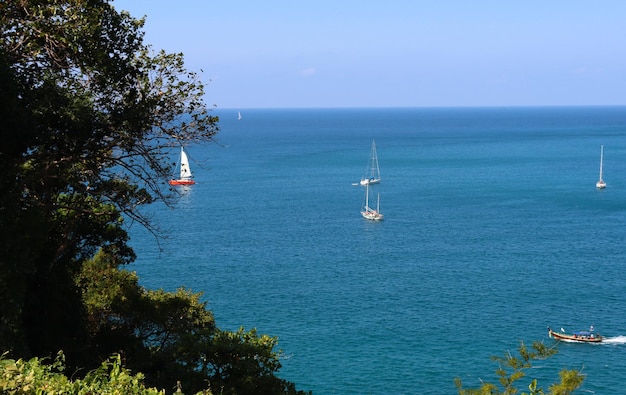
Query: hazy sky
{"x": 362, "y": 53}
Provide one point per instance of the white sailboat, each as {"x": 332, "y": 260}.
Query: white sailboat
{"x": 368, "y": 212}
{"x": 372, "y": 172}
{"x": 601, "y": 184}
{"x": 239, "y": 115}
{"x": 185, "y": 171}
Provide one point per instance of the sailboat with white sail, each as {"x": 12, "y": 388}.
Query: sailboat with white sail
{"x": 372, "y": 172}
{"x": 185, "y": 177}
{"x": 368, "y": 212}
{"x": 601, "y": 184}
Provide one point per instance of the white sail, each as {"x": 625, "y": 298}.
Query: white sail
{"x": 185, "y": 170}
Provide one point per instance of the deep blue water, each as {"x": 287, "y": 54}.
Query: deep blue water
{"x": 493, "y": 230}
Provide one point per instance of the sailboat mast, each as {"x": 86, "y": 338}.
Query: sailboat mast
{"x": 374, "y": 170}
{"x": 601, "y": 159}
{"x": 367, "y": 197}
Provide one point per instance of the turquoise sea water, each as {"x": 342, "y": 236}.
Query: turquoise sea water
{"x": 493, "y": 230}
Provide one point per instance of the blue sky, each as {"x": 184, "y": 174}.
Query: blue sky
{"x": 399, "y": 53}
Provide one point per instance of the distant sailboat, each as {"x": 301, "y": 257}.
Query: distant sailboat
{"x": 185, "y": 171}
{"x": 372, "y": 172}
{"x": 601, "y": 184}
{"x": 239, "y": 115}
{"x": 368, "y": 212}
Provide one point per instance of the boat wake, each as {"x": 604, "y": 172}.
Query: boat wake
{"x": 614, "y": 340}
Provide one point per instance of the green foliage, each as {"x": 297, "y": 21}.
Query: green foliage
{"x": 244, "y": 362}
{"x": 36, "y": 377}
{"x": 570, "y": 380}
{"x": 511, "y": 369}
{"x": 27, "y": 377}
{"x": 112, "y": 378}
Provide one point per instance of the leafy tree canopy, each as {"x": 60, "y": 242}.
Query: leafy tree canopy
{"x": 89, "y": 114}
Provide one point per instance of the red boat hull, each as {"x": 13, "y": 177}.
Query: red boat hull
{"x": 181, "y": 182}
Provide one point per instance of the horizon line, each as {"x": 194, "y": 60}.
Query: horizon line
{"x": 216, "y": 107}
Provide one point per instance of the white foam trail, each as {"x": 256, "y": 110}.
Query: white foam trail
{"x": 615, "y": 340}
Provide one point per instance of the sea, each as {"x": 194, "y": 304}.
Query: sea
{"x": 494, "y": 230}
